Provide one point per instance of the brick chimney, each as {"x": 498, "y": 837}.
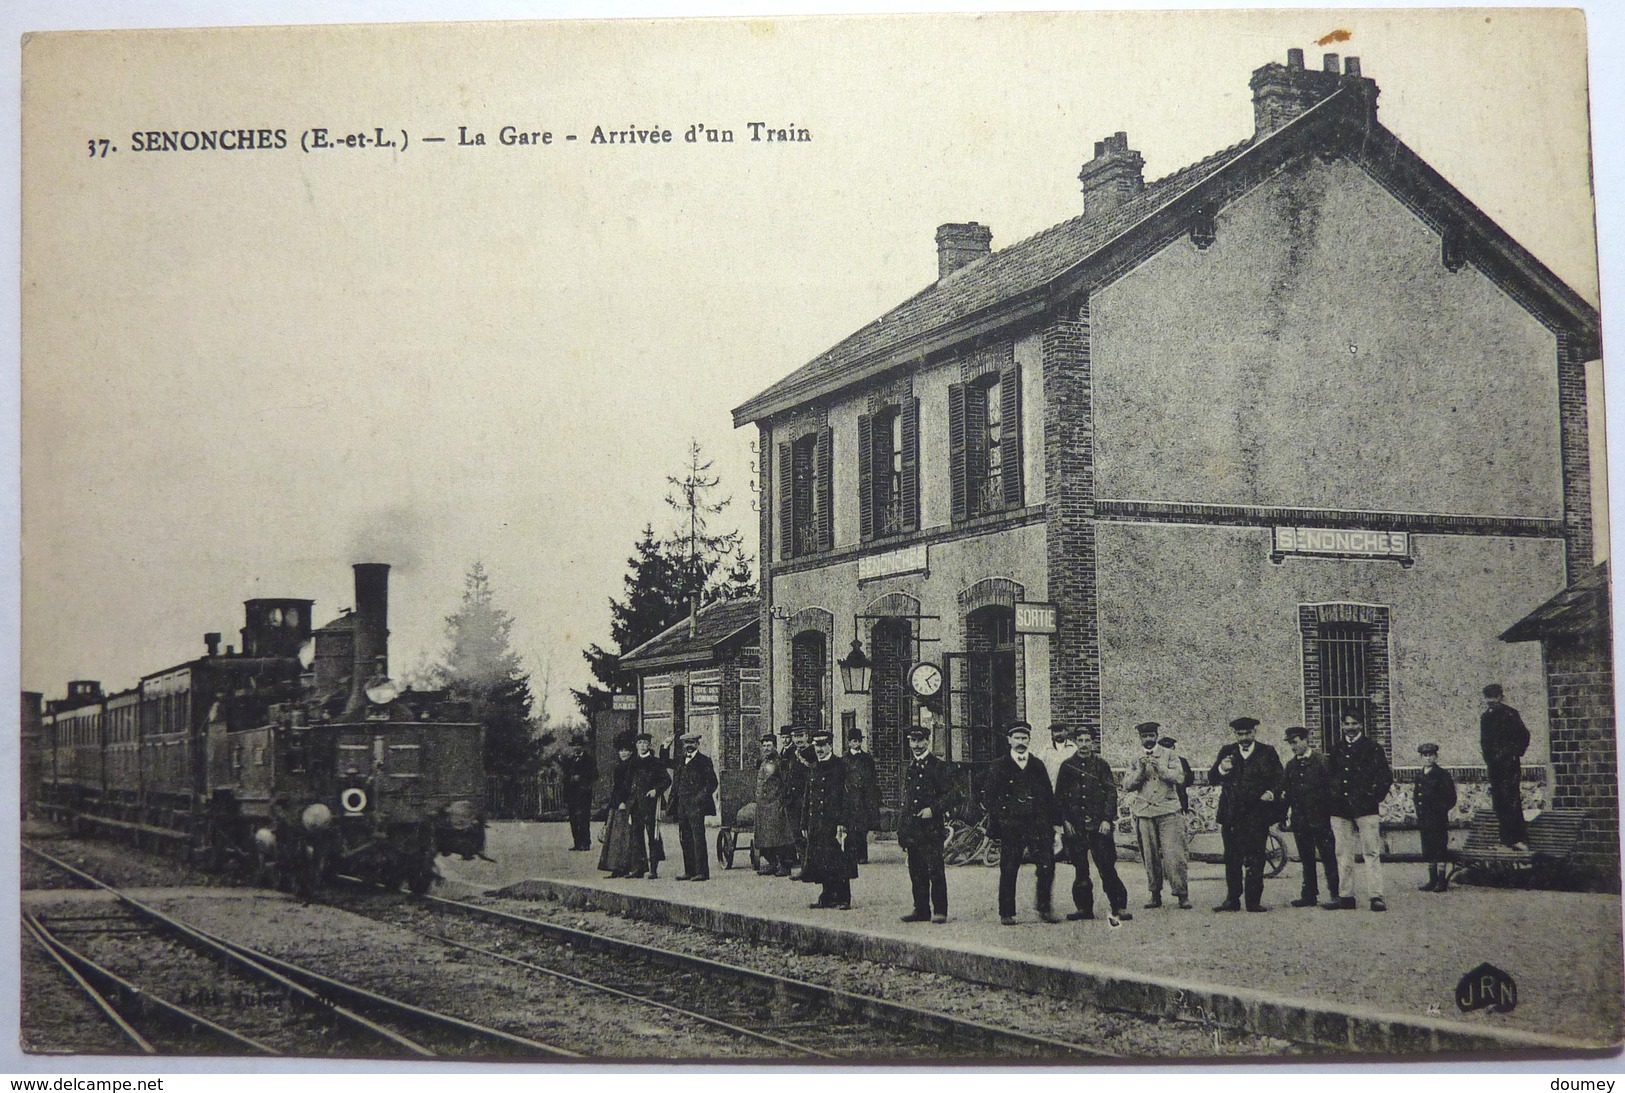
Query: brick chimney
{"x": 959, "y": 245}
{"x": 1282, "y": 92}
{"x": 1115, "y": 175}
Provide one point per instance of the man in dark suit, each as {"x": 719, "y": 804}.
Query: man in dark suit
{"x": 693, "y": 790}
{"x": 1306, "y": 791}
{"x": 1504, "y": 739}
{"x": 647, "y": 782}
{"x": 579, "y": 774}
{"x": 863, "y": 785}
{"x": 1021, "y": 806}
{"x": 1086, "y": 793}
{"x": 796, "y": 762}
{"x": 1250, "y": 773}
{"x": 826, "y": 822}
{"x": 928, "y": 796}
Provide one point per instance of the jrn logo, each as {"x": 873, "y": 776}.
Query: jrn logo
{"x": 1487, "y": 986}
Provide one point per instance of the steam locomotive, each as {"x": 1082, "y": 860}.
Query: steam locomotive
{"x": 288, "y": 761}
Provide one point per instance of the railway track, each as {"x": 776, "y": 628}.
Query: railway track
{"x": 172, "y": 988}
{"x": 802, "y": 1020}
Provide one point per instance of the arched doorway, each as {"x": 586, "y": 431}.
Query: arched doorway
{"x": 891, "y": 644}
{"x": 809, "y": 680}
{"x": 990, "y": 637}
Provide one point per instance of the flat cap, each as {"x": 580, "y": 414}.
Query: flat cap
{"x": 643, "y": 736}
{"x": 1297, "y": 732}
{"x": 1245, "y": 724}
{"x": 1148, "y": 728}
{"x": 691, "y": 738}
{"x": 1427, "y": 749}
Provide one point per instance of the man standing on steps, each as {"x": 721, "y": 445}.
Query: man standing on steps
{"x": 1504, "y": 739}
{"x": 1021, "y": 805}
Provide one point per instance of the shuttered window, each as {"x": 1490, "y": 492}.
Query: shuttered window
{"x": 806, "y": 523}
{"x": 888, "y": 471}
{"x": 984, "y": 444}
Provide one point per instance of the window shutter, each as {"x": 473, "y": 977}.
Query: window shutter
{"x": 1011, "y": 389}
{"x": 866, "y": 461}
{"x": 975, "y": 445}
{"x": 787, "y": 504}
{"x": 821, "y": 465}
{"x": 911, "y": 464}
{"x": 956, "y": 449}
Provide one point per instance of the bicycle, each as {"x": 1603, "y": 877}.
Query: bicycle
{"x": 969, "y": 842}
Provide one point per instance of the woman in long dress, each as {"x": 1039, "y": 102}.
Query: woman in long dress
{"x": 619, "y": 847}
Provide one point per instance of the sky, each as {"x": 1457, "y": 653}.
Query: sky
{"x": 243, "y": 372}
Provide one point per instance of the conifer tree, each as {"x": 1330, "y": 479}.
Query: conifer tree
{"x": 482, "y": 669}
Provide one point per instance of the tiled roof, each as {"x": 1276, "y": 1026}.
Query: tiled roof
{"x": 1002, "y": 275}
{"x": 1581, "y": 608}
{"x": 713, "y": 626}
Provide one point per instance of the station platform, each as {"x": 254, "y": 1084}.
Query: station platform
{"x": 1354, "y": 980}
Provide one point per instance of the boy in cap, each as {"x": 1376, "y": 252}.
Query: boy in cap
{"x": 1306, "y": 789}
{"x": 1435, "y": 795}
{"x": 826, "y": 822}
{"x": 1086, "y": 791}
{"x": 928, "y": 796}
{"x": 1021, "y": 806}
{"x": 1250, "y": 774}
{"x": 693, "y": 798}
{"x": 1158, "y": 780}
{"x": 863, "y": 786}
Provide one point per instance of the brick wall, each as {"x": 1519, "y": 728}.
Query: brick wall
{"x": 1069, "y": 492}
{"x": 1584, "y": 752}
{"x": 1576, "y": 445}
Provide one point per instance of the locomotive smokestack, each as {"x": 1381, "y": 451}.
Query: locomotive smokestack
{"x": 371, "y": 630}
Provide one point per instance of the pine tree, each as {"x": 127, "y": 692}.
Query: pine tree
{"x": 668, "y": 578}
{"x": 482, "y": 669}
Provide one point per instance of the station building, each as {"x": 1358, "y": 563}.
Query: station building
{"x": 1292, "y": 431}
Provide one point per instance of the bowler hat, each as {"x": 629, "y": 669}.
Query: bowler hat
{"x": 855, "y": 734}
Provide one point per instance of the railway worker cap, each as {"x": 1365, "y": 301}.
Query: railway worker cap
{"x": 919, "y": 732}
{"x": 1297, "y": 732}
{"x": 1245, "y": 724}
{"x": 1148, "y": 728}
{"x": 822, "y": 735}
{"x": 767, "y": 738}
{"x": 1492, "y": 691}
{"x": 1427, "y": 749}
{"x": 1020, "y": 728}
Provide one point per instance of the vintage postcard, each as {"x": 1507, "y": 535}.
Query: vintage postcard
{"x": 1061, "y": 537}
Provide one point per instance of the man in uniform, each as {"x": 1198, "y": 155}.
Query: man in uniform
{"x": 1021, "y": 806}
{"x": 693, "y": 798}
{"x": 1306, "y": 791}
{"x": 1504, "y": 739}
{"x": 1361, "y": 780}
{"x": 863, "y": 786}
{"x": 1250, "y": 774}
{"x": 826, "y": 826}
{"x": 579, "y": 774}
{"x": 928, "y": 795}
{"x": 1158, "y": 782}
{"x": 796, "y": 761}
{"x": 648, "y": 781}
{"x": 1086, "y": 792}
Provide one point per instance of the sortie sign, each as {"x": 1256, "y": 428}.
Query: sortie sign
{"x": 1035, "y": 618}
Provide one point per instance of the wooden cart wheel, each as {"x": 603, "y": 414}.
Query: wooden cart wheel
{"x": 725, "y": 848}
